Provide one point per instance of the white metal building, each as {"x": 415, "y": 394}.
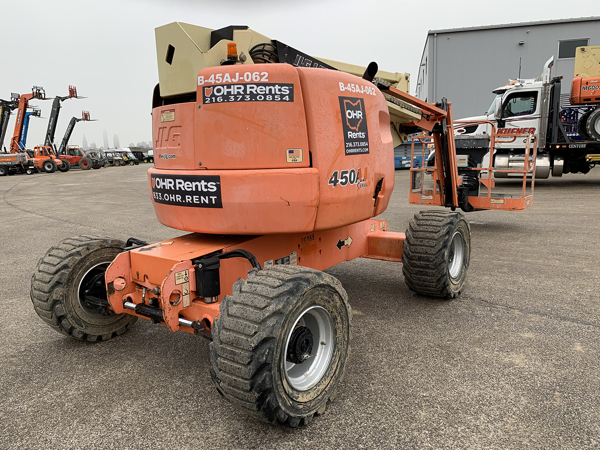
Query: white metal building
{"x": 466, "y": 64}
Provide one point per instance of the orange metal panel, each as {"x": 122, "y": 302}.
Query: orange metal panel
{"x": 152, "y": 262}
{"x": 385, "y": 245}
{"x": 340, "y": 107}
{"x": 167, "y": 264}
{"x": 173, "y": 136}
{"x": 253, "y": 201}
{"x": 251, "y": 114}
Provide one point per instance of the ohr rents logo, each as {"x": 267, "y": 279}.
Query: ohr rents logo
{"x": 177, "y": 184}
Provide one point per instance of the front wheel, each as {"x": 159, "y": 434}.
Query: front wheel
{"x": 281, "y": 343}
{"x": 436, "y": 255}
{"x": 67, "y": 283}
{"x": 49, "y": 166}
{"x": 3, "y": 171}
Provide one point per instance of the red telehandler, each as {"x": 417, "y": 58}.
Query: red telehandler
{"x": 278, "y": 172}
{"x": 74, "y": 155}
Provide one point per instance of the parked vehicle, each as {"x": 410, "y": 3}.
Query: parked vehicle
{"x": 568, "y": 137}
{"x": 142, "y": 155}
{"x": 128, "y": 157}
{"x": 113, "y": 158}
{"x": 78, "y": 157}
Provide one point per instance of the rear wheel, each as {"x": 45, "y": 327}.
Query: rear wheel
{"x": 436, "y": 254}
{"x": 593, "y": 125}
{"x": 281, "y": 343}
{"x": 3, "y": 171}
{"x": 65, "y": 166}
{"x": 66, "y": 278}
{"x": 85, "y": 163}
{"x": 49, "y": 166}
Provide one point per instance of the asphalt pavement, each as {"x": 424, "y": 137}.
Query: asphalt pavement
{"x": 513, "y": 363}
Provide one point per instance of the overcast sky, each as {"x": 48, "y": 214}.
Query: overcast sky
{"x": 106, "y": 47}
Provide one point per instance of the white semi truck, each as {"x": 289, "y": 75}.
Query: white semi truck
{"x": 568, "y": 137}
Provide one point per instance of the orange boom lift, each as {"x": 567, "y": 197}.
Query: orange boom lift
{"x": 278, "y": 173}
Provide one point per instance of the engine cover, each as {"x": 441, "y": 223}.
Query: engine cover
{"x": 271, "y": 148}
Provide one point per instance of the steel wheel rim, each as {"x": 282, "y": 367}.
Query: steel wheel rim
{"x": 597, "y": 125}
{"x": 456, "y": 255}
{"x": 305, "y": 375}
{"x": 88, "y": 277}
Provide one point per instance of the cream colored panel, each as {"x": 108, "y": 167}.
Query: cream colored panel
{"x": 587, "y": 62}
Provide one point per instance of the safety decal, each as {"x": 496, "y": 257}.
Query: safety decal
{"x": 288, "y": 260}
{"x": 248, "y": 92}
{"x": 182, "y": 277}
{"x": 344, "y": 243}
{"x": 354, "y": 124}
{"x": 167, "y": 116}
{"x": 195, "y": 191}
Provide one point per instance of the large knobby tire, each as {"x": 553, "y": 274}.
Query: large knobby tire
{"x": 3, "y": 171}
{"x": 581, "y": 126}
{"x": 281, "y": 343}
{"x": 436, "y": 254}
{"x": 65, "y": 166}
{"x": 592, "y": 125}
{"x": 85, "y": 163}
{"x": 49, "y": 166}
{"x": 62, "y": 276}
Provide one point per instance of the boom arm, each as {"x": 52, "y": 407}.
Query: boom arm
{"x": 5, "y": 108}
{"x": 85, "y": 116}
{"x": 25, "y": 130}
{"x": 37, "y": 92}
{"x": 53, "y": 120}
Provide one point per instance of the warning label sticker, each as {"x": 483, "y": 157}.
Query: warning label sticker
{"x": 195, "y": 191}
{"x": 251, "y": 92}
{"x": 181, "y": 277}
{"x": 167, "y": 116}
{"x": 354, "y": 124}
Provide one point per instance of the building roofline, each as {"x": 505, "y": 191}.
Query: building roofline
{"x": 515, "y": 25}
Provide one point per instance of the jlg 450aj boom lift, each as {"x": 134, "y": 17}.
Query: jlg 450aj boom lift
{"x": 277, "y": 171}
